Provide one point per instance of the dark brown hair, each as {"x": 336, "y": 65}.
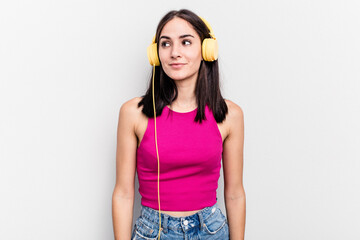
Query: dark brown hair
{"x": 207, "y": 87}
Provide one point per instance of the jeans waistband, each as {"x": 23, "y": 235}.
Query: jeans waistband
{"x": 177, "y": 223}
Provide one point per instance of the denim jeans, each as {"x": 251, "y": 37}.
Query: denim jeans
{"x": 209, "y": 223}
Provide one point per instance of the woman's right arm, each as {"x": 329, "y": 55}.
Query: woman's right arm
{"x": 124, "y": 193}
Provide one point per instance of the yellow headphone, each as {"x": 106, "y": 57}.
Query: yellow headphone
{"x": 209, "y": 48}
{"x": 209, "y": 51}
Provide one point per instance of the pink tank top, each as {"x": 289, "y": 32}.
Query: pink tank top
{"x": 190, "y": 160}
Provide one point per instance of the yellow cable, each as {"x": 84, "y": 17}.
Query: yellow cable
{"x": 157, "y": 152}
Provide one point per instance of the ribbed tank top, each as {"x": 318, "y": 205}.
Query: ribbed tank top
{"x": 190, "y": 160}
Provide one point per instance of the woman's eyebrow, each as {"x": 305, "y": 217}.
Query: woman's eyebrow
{"x": 182, "y": 36}
{"x": 186, "y": 35}
{"x": 164, "y": 37}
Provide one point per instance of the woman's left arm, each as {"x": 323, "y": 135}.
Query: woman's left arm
{"x": 234, "y": 193}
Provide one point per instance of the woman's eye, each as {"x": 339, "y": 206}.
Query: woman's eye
{"x": 165, "y": 44}
{"x": 186, "y": 42}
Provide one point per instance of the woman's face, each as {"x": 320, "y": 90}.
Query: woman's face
{"x": 180, "y": 50}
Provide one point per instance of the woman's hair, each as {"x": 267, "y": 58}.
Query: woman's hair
{"x": 207, "y": 89}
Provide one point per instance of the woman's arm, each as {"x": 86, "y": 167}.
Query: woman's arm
{"x": 123, "y": 195}
{"x": 234, "y": 193}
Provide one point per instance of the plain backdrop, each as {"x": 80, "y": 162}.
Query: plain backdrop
{"x": 66, "y": 67}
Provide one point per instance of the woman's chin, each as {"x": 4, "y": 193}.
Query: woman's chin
{"x": 180, "y": 77}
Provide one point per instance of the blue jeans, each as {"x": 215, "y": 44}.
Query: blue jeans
{"x": 209, "y": 223}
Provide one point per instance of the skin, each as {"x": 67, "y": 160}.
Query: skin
{"x": 179, "y": 43}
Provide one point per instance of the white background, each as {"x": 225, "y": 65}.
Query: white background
{"x": 67, "y": 66}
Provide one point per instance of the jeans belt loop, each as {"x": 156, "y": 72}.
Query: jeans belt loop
{"x": 201, "y": 219}
{"x": 165, "y": 223}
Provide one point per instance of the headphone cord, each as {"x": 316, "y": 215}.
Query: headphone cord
{"x": 157, "y": 152}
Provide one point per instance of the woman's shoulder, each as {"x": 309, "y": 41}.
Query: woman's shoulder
{"x": 234, "y": 110}
{"x": 131, "y": 104}
{"x": 234, "y": 121}
{"x": 130, "y": 109}
{"x": 234, "y": 117}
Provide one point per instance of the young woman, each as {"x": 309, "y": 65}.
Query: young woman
{"x": 177, "y": 152}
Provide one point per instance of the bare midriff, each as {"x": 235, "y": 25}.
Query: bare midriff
{"x": 180, "y": 214}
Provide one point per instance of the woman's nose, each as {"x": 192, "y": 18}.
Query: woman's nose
{"x": 175, "y": 51}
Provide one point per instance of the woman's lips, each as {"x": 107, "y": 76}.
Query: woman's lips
{"x": 177, "y": 65}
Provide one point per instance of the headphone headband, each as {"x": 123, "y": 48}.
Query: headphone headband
{"x": 209, "y": 27}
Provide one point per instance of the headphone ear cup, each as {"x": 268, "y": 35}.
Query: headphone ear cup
{"x": 210, "y": 49}
{"x": 153, "y": 55}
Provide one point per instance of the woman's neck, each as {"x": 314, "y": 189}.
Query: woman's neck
{"x": 186, "y": 97}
